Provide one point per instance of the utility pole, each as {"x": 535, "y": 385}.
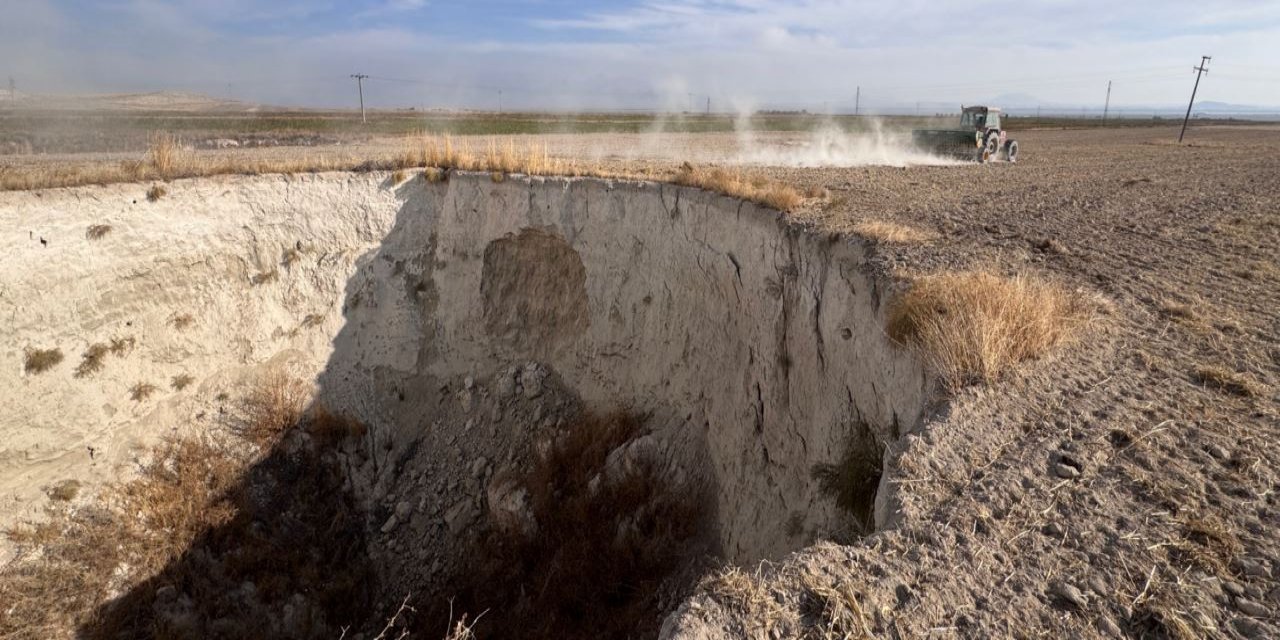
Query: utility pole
{"x": 1107, "y": 105}
{"x": 360, "y": 86}
{"x": 499, "y": 100}
{"x": 13, "y": 91}
{"x": 1202, "y": 69}
{"x": 708, "y": 105}
{"x": 857, "y": 100}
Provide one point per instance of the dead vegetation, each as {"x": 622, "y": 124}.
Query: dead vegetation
{"x": 854, "y": 479}
{"x": 274, "y": 405}
{"x": 973, "y": 326}
{"x": 892, "y": 232}
{"x": 40, "y": 360}
{"x": 141, "y": 391}
{"x": 758, "y": 609}
{"x": 1226, "y": 380}
{"x": 97, "y": 231}
{"x": 181, "y": 381}
{"x": 182, "y": 321}
{"x": 167, "y": 554}
{"x": 599, "y": 556}
{"x": 756, "y": 189}
{"x": 156, "y": 192}
{"x": 92, "y": 360}
{"x": 64, "y": 491}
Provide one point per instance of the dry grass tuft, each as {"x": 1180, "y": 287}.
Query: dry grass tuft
{"x": 166, "y": 155}
{"x": 1224, "y": 379}
{"x": 853, "y": 480}
{"x": 756, "y": 189}
{"x": 64, "y": 491}
{"x": 92, "y": 360}
{"x": 892, "y": 232}
{"x": 182, "y": 321}
{"x": 141, "y": 391}
{"x": 757, "y": 608}
{"x": 156, "y": 192}
{"x": 398, "y": 176}
{"x": 181, "y": 381}
{"x": 839, "y": 608}
{"x": 41, "y": 360}
{"x": 97, "y": 231}
{"x": 973, "y": 326}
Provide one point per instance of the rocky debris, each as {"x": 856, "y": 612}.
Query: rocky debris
{"x": 509, "y": 505}
{"x": 1253, "y": 568}
{"x": 1065, "y": 471}
{"x": 1251, "y": 608}
{"x": 1068, "y": 594}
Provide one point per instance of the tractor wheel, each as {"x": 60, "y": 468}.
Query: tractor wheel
{"x": 990, "y": 149}
{"x": 1011, "y": 151}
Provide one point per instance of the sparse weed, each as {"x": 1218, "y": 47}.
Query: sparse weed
{"x": 264, "y": 277}
{"x": 757, "y": 189}
{"x": 181, "y": 381}
{"x": 182, "y": 321}
{"x": 156, "y": 192}
{"x": 64, "y": 491}
{"x": 141, "y": 391}
{"x": 97, "y": 231}
{"x": 891, "y": 232}
{"x": 41, "y": 360}
{"x": 92, "y": 360}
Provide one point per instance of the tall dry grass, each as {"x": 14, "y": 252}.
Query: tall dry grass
{"x": 168, "y": 159}
{"x": 973, "y": 326}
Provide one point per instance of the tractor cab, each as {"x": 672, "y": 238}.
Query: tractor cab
{"x": 980, "y": 118}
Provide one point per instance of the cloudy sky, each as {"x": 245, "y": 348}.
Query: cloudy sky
{"x": 649, "y": 53}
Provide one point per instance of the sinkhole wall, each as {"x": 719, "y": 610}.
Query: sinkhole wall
{"x": 754, "y": 346}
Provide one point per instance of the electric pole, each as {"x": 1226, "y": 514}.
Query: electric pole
{"x": 857, "y": 100}
{"x": 499, "y": 100}
{"x": 360, "y": 87}
{"x": 1107, "y": 105}
{"x": 708, "y": 105}
{"x": 1202, "y": 69}
{"x": 13, "y": 91}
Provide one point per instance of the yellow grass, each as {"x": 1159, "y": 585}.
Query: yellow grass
{"x": 973, "y": 326}
{"x": 891, "y": 232}
{"x": 168, "y": 159}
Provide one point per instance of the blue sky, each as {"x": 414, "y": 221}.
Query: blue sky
{"x": 648, "y": 53}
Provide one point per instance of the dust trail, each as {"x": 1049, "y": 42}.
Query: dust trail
{"x": 830, "y": 146}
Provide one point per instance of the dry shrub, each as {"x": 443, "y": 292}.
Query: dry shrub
{"x": 92, "y": 360}
{"x": 97, "y": 231}
{"x": 141, "y": 391}
{"x": 156, "y": 192}
{"x": 972, "y": 326}
{"x": 760, "y": 190}
{"x": 40, "y": 360}
{"x": 892, "y": 232}
{"x": 204, "y": 517}
{"x": 290, "y": 256}
{"x": 274, "y": 405}
{"x": 597, "y": 563}
{"x": 1224, "y": 379}
{"x": 398, "y": 176}
{"x": 332, "y": 428}
{"x": 181, "y": 381}
{"x": 131, "y": 531}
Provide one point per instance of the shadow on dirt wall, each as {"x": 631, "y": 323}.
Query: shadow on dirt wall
{"x": 310, "y": 550}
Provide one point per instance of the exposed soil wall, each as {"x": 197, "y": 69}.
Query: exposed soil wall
{"x": 754, "y": 348}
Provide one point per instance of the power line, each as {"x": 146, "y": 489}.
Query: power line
{"x": 360, "y": 87}
{"x": 1200, "y": 70}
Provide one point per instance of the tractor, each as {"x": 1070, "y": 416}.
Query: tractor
{"x": 979, "y": 137}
